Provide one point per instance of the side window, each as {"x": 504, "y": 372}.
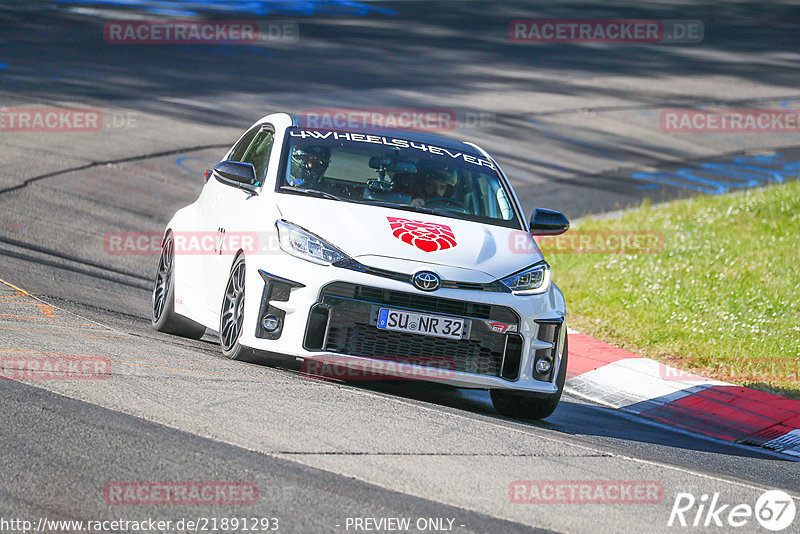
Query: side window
{"x": 242, "y": 144}
{"x": 258, "y": 153}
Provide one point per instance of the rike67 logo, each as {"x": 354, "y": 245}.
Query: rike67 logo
{"x": 426, "y": 236}
{"x": 774, "y": 510}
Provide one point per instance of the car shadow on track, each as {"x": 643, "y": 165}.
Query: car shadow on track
{"x": 593, "y": 424}
{"x": 572, "y": 417}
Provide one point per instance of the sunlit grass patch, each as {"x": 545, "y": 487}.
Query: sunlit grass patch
{"x": 722, "y": 299}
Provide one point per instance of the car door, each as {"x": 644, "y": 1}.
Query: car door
{"x": 232, "y": 213}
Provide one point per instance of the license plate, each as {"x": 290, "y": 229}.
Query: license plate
{"x": 422, "y": 323}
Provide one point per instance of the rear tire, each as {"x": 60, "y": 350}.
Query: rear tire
{"x": 521, "y": 406}
{"x": 162, "y": 310}
{"x": 231, "y": 316}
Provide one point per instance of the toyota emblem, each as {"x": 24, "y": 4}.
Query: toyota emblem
{"x": 426, "y": 281}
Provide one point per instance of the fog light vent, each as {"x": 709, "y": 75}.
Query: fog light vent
{"x": 270, "y": 323}
{"x": 543, "y": 365}
{"x": 544, "y": 358}
{"x": 276, "y": 289}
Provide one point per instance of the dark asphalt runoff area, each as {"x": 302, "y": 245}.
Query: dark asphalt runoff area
{"x": 576, "y": 127}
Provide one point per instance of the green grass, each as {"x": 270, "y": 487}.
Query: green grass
{"x": 722, "y": 299}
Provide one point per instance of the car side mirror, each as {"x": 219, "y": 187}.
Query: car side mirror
{"x": 237, "y": 172}
{"x": 548, "y": 222}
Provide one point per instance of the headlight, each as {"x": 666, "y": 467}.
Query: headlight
{"x": 531, "y": 281}
{"x": 297, "y": 242}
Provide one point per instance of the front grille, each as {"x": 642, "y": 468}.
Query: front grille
{"x": 352, "y": 313}
{"x": 416, "y": 302}
{"x": 468, "y": 356}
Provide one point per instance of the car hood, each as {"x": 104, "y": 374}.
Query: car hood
{"x": 404, "y": 240}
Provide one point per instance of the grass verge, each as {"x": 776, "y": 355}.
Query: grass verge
{"x": 721, "y": 299}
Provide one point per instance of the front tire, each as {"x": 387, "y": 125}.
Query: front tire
{"x": 526, "y": 407}
{"x": 162, "y": 310}
{"x": 231, "y": 316}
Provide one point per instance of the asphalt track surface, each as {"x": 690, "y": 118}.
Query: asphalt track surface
{"x": 571, "y": 124}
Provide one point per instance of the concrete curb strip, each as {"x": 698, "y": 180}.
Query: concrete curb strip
{"x": 626, "y": 381}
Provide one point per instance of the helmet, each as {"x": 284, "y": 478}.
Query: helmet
{"x": 432, "y": 174}
{"x": 309, "y": 165}
{"x": 432, "y": 170}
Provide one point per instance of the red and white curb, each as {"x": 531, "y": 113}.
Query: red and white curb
{"x": 623, "y": 380}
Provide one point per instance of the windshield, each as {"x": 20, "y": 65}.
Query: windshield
{"x": 397, "y": 173}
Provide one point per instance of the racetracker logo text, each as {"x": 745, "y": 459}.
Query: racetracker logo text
{"x": 589, "y": 242}
{"x": 586, "y": 492}
{"x": 50, "y": 120}
{"x": 189, "y": 243}
{"x": 54, "y": 368}
{"x": 199, "y": 32}
{"x": 180, "y": 493}
{"x": 433, "y": 120}
{"x": 730, "y": 121}
{"x": 605, "y": 31}
{"x": 340, "y": 368}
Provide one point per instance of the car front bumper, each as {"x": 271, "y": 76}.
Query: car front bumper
{"x": 327, "y": 320}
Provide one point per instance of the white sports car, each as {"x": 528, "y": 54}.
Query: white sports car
{"x": 401, "y": 253}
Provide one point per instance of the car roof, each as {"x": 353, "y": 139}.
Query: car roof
{"x": 409, "y": 135}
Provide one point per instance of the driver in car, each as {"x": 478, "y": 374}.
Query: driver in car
{"x": 437, "y": 181}
{"x": 309, "y": 165}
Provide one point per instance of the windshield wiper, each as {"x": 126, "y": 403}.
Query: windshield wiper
{"x": 310, "y": 192}
{"x": 420, "y": 209}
